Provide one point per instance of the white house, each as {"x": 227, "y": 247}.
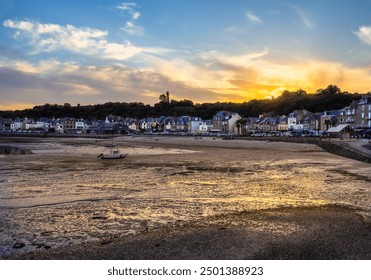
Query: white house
{"x": 44, "y": 123}
{"x": 131, "y": 124}
{"x": 295, "y": 119}
{"x": 80, "y": 125}
{"x": 199, "y": 126}
{"x": 25, "y": 124}
{"x": 30, "y": 126}
{"x": 59, "y": 127}
{"x": 291, "y": 121}
{"x": 225, "y": 122}
{"x": 16, "y": 125}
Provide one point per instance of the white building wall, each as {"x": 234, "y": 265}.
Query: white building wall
{"x": 80, "y": 124}
{"x": 291, "y": 123}
{"x": 15, "y": 126}
{"x": 59, "y": 128}
{"x": 132, "y": 126}
{"x": 203, "y": 127}
{"x": 195, "y": 126}
{"x": 232, "y": 123}
{"x": 30, "y": 126}
{"x": 43, "y": 125}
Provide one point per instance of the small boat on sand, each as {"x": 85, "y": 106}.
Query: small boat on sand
{"x": 113, "y": 154}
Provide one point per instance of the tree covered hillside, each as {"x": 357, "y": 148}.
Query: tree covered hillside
{"x": 330, "y": 98}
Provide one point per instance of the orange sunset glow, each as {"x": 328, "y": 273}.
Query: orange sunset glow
{"x": 255, "y": 51}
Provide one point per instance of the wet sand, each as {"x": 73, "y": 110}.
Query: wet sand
{"x": 323, "y": 233}
{"x": 332, "y": 222}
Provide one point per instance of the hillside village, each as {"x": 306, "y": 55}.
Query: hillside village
{"x": 351, "y": 121}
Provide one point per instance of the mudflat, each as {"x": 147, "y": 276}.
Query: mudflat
{"x": 323, "y": 233}
{"x": 184, "y": 198}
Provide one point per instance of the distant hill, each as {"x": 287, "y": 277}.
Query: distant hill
{"x": 330, "y": 98}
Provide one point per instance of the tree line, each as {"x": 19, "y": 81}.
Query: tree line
{"x": 330, "y": 98}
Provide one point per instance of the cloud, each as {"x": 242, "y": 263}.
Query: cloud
{"x": 130, "y": 26}
{"x": 234, "y": 30}
{"x": 234, "y": 62}
{"x": 199, "y": 76}
{"x": 85, "y": 41}
{"x": 136, "y": 15}
{"x": 364, "y": 34}
{"x": 133, "y": 29}
{"x": 207, "y": 77}
{"x": 258, "y": 75}
{"x": 304, "y": 18}
{"x": 18, "y": 87}
{"x": 131, "y": 9}
{"x": 54, "y": 82}
{"x": 127, "y": 6}
{"x": 253, "y": 18}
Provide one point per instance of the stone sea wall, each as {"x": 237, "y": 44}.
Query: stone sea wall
{"x": 327, "y": 145}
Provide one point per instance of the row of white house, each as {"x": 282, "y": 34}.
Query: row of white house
{"x": 223, "y": 122}
{"x": 46, "y": 124}
{"x": 356, "y": 115}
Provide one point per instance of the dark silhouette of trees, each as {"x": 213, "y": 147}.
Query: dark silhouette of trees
{"x": 330, "y": 90}
{"x": 165, "y": 97}
{"x": 330, "y": 98}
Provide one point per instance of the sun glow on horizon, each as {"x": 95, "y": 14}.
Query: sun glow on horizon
{"x": 133, "y": 52}
{"x": 219, "y": 80}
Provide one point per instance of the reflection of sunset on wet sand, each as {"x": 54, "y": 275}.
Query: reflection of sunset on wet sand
{"x": 53, "y": 199}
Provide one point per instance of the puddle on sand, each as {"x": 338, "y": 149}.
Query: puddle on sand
{"x": 10, "y": 150}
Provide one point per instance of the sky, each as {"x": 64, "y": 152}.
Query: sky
{"x": 98, "y": 51}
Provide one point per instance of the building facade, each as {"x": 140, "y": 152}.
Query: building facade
{"x": 363, "y": 112}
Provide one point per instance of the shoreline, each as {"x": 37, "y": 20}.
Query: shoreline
{"x": 357, "y": 149}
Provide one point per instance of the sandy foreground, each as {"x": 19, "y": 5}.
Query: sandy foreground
{"x": 299, "y": 234}
{"x": 321, "y": 230}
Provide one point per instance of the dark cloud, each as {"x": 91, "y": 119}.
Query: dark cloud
{"x": 92, "y": 85}
{"x": 27, "y": 88}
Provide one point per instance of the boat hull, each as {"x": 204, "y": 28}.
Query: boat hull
{"x": 120, "y": 156}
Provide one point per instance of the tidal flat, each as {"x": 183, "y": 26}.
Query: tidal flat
{"x": 182, "y": 195}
